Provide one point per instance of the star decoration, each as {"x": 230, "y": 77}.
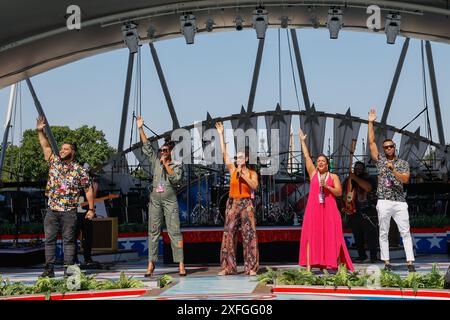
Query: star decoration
{"x": 311, "y": 115}
{"x": 434, "y": 242}
{"x": 278, "y": 115}
{"x": 413, "y": 140}
{"x": 244, "y": 120}
{"x": 416, "y": 241}
{"x": 127, "y": 245}
{"x": 208, "y": 124}
{"x": 347, "y": 121}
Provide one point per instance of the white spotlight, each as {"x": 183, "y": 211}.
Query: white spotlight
{"x": 334, "y": 22}
{"x": 284, "y": 22}
{"x": 239, "y": 23}
{"x": 209, "y": 24}
{"x": 392, "y": 27}
{"x": 260, "y": 22}
{"x": 188, "y": 27}
{"x": 130, "y": 36}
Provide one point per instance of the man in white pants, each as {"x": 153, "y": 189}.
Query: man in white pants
{"x": 392, "y": 174}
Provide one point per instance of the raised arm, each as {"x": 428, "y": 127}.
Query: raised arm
{"x": 140, "y": 125}
{"x": 309, "y": 163}
{"x": 223, "y": 147}
{"x": 147, "y": 149}
{"x": 43, "y": 140}
{"x": 371, "y": 135}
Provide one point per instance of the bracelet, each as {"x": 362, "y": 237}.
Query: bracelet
{"x": 91, "y": 209}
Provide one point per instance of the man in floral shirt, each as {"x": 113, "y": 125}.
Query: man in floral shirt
{"x": 393, "y": 173}
{"x": 65, "y": 182}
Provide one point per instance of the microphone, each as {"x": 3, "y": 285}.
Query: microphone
{"x": 321, "y": 192}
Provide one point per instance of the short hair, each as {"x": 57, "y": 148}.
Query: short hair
{"x": 170, "y": 144}
{"x": 73, "y": 145}
{"x": 360, "y": 163}
{"x": 386, "y": 140}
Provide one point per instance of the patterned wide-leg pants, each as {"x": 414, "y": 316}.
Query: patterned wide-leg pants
{"x": 239, "y": 212}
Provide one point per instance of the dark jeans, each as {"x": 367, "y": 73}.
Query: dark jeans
{"x": 365, "y": 232}
{"x": 84, "y": 226}
{"x": 66, "y": 221}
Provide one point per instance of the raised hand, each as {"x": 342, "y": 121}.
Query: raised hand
{"x": 40, "y": 123}
{"x": 302, "y": 135}
{"x": 372, "y": 115}
{"x": 219, "y": 127}
{"x": 139, "y": 122}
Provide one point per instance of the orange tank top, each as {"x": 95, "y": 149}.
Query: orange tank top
{"x": 239, "y": 188}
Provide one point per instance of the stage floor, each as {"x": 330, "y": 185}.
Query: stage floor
{"x": 202, "y": 282}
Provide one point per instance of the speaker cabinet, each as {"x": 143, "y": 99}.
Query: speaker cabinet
{"x": 104, "y": 234}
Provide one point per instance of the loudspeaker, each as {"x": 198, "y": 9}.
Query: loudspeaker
{"x": 104, "y": 234}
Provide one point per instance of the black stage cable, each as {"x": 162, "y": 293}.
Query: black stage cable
{"x": 21, "y": 167}
{"x": 425, "y": 96}
{"x": 292, "y": 69}
{"x": 279, "y": 67}
{"x": 403, "y": 128}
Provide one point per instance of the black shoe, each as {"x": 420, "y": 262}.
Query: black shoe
{"x": 388, "y": 267}
{"x": 411, "y": 268}
{"x": 48, "y": 273}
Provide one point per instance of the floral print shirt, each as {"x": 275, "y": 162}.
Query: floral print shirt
{"x": 64, "y": 185}
{"x": 389, "y": 187}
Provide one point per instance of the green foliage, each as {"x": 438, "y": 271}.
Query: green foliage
{"x": 38, "y": 228}
{"x": 267, "y": 277}
{"x": 48, "y": 285}
{"x": 165, "y": 280}
{"x": 299, "y": 276}
{"x": 26, "y": 228}
{"x": 133, "y": 227}
{"x": 434, "y": 221}
{"x": 28, "y": 159}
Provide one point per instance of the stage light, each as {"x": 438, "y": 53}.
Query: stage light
{"x": 130, "y": 36}
{"x": 260, "y": 22}
{"x": 392, "y": 27}
{"x": 209, "y": 24}
{"x": 188, "y": 27}
{"x": 151, "y": 32}
{"x": 334, "y": 22}
{"x": 238, "y": 21}
{"x": 284, "y": 22}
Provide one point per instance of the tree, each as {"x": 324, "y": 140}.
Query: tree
{"x": 28, "y": 159}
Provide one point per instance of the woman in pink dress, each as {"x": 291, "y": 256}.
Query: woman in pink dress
{"x": 322, "y": 242}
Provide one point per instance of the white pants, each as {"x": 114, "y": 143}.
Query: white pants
{"x": 399, "y": 211}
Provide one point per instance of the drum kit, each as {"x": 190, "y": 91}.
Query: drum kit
{"x": 213, "y": 186}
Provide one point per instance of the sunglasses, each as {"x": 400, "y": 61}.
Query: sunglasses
{"x": 164, "y": 150}
{"x": 389, "y": 146}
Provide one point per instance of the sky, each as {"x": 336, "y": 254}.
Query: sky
{"x": 354, "y": 71}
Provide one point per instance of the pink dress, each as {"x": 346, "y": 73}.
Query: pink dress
{"x": 322, "y": 228}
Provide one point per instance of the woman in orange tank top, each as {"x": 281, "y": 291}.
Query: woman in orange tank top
{"x": 239, "y": 210}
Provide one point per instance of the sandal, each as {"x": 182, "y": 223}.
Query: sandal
{"x": 222, "y": 273}
{"x": 149, "y": 274}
